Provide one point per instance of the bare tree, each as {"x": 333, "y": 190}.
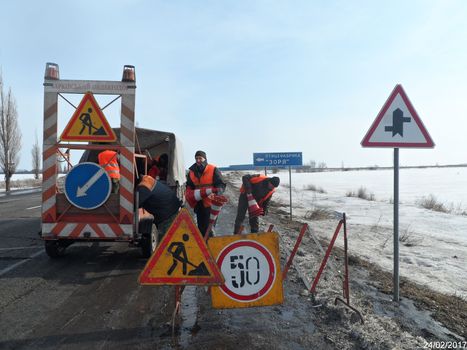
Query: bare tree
{"x": 10, "y": 134}
{"x": 322, "y": 166}
{"x": 36, "y": 158}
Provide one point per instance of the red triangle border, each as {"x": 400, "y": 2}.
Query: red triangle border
{"x": 111, "y": 137}
{"x": 216, "y": 279}
{"x": 398, "y": 89}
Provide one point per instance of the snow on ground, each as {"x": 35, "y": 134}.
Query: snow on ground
{"x": 15, "y": 178}
{"x": 18, "y": 177}
{"x": 433, "y": 245}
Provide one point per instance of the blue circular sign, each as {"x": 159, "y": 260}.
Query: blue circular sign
{"x": 87, "y": 186}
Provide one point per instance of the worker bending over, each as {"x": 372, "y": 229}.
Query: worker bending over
{"x": 262, "y": 188}
{"x": 159, "y": 200}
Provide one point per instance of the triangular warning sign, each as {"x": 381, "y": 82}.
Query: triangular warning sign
{"x": 398, "y": 125}
{"x": 88, "y": 123}
{"x": 182, "y": 257}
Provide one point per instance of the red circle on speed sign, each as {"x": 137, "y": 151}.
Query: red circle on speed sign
{"x": 249, "y": 270}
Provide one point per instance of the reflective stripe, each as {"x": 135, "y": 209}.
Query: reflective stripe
{"x": 206, "y": 180}
{"x": 107, "y": 159}
{"x": 256, "y": 180}
{"x": 262, "y": 200}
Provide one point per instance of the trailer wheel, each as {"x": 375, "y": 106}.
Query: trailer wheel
{"x": 55, "y": 249}
{"x": 149, "y": 242}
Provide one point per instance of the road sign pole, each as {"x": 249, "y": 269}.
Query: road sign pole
{"x": 396, "y": 224}
{"x": 290, "y": 190}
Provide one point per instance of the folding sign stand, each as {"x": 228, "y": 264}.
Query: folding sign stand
{"x": 216, "y": 207}
{"x": 345, "y": 287}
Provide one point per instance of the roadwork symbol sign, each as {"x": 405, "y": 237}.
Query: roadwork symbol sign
{"x": 251, "y": 268}
{"x": 398, "y": 125}
{"x": 182, "y": 257}
{"x": 88, "y": 123}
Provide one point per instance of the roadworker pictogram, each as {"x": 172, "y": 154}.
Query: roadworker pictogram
{"x": 179, "y": 255}
{"x": 88, "y": 123}
{"x": 182, "y": 257}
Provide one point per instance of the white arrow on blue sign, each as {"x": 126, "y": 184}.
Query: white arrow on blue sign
{"x": 277, "y": 159}
{"x": 87, "y": 186}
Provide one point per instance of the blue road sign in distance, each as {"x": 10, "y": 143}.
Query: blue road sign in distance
{"x": 87, "y": 186}
{"x": 277, "y": 159}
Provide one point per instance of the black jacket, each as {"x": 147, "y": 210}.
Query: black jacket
{"x": 161, "y": 202}
{"x": 258, "y": 190}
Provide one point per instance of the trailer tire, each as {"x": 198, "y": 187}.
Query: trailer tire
{"x": 55, "y": 249}
{"x": 149, "y": 242}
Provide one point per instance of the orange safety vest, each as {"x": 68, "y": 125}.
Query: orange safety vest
{"x": 108, "y": 160}
{"x": 206, "y": 180}
{"x": 148, "y": 181}
{"x": 257, "y": 180}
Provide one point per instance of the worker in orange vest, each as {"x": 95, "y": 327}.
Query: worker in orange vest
{"x": 109, "y": 161}
{"x": 201, "y": 175}
{"x": 262, "y": 188}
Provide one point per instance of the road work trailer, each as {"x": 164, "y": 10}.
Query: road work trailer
{"x": 116, "y": 217}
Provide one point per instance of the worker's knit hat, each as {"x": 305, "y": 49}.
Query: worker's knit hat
{"x": 275, "y": 181}
{"x": 200, "y": 154}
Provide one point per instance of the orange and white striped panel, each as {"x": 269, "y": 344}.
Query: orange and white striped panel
{"x": 127, "y": 139}
{"x": 84, "y": 230}
{"x": 49, "y": 158}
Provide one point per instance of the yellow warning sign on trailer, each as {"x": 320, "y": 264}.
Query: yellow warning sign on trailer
{"x": 251, "y": 268}
{"x": 88, "y": 123}
{"x": 182, "y": 257}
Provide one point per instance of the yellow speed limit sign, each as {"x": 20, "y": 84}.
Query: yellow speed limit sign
{"x": 251, "y": 267}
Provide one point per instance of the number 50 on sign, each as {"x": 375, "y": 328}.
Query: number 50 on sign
{"x": 251, "y": 268}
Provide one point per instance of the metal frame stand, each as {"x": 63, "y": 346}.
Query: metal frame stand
{"x": 345, "y": 285}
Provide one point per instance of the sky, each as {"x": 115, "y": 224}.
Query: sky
{"x": 237, "y": 77}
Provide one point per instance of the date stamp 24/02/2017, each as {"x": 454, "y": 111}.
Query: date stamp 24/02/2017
{"x": 445, "y": 345}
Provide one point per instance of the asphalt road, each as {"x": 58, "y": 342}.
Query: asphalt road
{"x": 90, "y": 299}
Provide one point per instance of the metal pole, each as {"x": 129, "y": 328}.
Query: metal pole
{"x": 346, "y": 263}
{"x": 396, "y": 224}
{"x": 290, "y": 191}
{"x": 265, "y": 171}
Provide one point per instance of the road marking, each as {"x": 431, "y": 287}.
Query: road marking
{"x": 37, "y": 206}
{"x": 15, "y": 248}
{"x": 19, "y": 263}
{"x": 11, "y": 200}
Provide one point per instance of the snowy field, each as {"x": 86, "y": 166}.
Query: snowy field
{"x": 433, "y": 245}
{"x": 448, "y": 185}
{"x": 14, "y": 178}
{"x": 17, "y": 177}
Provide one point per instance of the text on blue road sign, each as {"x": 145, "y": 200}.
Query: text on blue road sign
{"x": 277, "y": 159}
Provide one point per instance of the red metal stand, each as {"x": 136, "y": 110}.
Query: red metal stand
{"x": 345, "y": 285}
{"x": 178, "y": 303}
{"x": 294, "y": 251}
{"x": 326, "y": 257}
